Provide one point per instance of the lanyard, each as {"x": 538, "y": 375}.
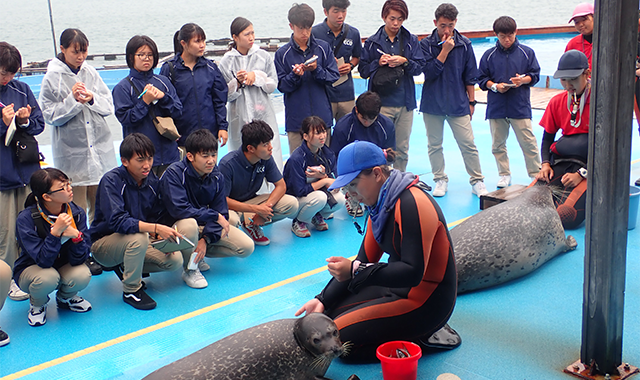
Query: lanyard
{"x": 48, "y": 219}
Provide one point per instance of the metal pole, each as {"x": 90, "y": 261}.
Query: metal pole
{"x": 614, "y": 52}
{"x": 53, "y": 32}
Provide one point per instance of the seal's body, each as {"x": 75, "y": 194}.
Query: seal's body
{"x": 508, "y": 240}
{"x": 287, "y": 349}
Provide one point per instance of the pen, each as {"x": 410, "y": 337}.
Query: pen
{"x": 2, "y": 104}
{"x": 441, "y": 42}
{"x": 142, "y": 93}
{"x": 177, "y": 238}
{"x": 381, "y": 52}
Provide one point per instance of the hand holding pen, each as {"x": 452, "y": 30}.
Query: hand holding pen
{"x": 518, "y": 80}
{"x": 151, "y": 94}
{"x": 384, "y": 58}
{"x": 81, "y": 94}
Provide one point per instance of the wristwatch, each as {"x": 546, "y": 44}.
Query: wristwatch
{"x": 583, "y": 173}
{"x": 494, "y": 87}
{"x": 473, "y": 102}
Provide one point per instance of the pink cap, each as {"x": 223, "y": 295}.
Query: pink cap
{"x": 582, "y": 10}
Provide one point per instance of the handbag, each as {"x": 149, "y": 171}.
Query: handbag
{"x": 26, "y": 148}
{"x": 387, "y": 79}
{"x": 164, "y": 124}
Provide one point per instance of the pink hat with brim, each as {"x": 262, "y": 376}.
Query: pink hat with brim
{"x": 582, "y": 10}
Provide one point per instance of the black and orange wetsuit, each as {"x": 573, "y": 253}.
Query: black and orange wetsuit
{"x": 409, "y": 297}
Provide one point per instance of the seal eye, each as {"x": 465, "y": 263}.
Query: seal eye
{"x": 316, "y": 341}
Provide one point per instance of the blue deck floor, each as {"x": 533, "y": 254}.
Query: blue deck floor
{"x": 526, "y": 329}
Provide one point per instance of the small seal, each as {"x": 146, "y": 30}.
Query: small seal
{"x": 288, "y": 349}
{"x": 508, "y": 240}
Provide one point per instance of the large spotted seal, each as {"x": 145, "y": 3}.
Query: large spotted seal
{"x": 508, "y": 240}
{"x": 287, "y": 349}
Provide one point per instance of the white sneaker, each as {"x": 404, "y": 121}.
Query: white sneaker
{"x": 441, "y": 188}
{"x": 479, "y": 189}
{"x": 15, "y": 293}
{"x": 203, "y": 266}
{"x": 194, "y": 279}
{"x": 38, "y": 315}
{"x": 504, "y": 181}
{"x": 75, "y": 303}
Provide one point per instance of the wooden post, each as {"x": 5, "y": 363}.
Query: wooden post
{"x": 614, "y": 54}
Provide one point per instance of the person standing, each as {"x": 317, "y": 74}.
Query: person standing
{"x": 251, "y": 77}
{"x": 448, "y": 93}
{"x": 76, "y": 101}
{"x": 142, "y": 96}
{"x": 19, "y": 107}
{"x": 199, "y": 83}
{"x": 345, "y": 41}
{"x": 394, "y": 50}
{"x": 509, "y": 70}
{"x": 583, "y": 21}
{"x": 305, "y": 66}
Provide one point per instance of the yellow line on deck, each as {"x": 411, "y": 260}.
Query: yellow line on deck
{"x": 173, "y": 321}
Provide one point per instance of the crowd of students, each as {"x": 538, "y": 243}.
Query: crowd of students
{"x": 174, "y": 190}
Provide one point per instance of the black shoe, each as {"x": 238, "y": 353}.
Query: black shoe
{"x": 94, "y": 267}
{"x": 4, "y": 338}
{"x": 139, "y": 299}
{"x": 444, "y": 339}
{"x": 638, "y": 182}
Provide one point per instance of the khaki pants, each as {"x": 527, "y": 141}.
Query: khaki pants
{"x": 40, "y": 282}
{"x": 316, "y": 202}
{"x": 526, "y": 139}
{"x": 295, "y": 140}
{"x": 339, "y": 109}
{"x": 12, "y": 202}
{"x": 287, "y": 207}
{"x": 463, "y": 133}
{"x": 236, "y": 244}
{"x": 137, "y": 254}
{"x": 5, "y": 281}
{"x": 403, "y": 122}
{"x": 85, "y": 198}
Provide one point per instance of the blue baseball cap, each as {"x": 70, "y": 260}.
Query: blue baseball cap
{"x": 354, "y": 158}
{"x": 571, "y": 65}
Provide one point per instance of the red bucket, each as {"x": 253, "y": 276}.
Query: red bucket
{"x": 395, "y": 368}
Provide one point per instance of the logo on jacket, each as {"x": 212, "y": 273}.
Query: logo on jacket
{"x": 348, "y": 41}
{"x": 260, "y": 169}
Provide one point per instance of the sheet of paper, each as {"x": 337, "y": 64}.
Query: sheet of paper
{"x": 10, "y": 132}
{"x": 343, "y": 78}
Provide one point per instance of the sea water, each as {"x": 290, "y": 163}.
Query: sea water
{"x": 109, "y": 24}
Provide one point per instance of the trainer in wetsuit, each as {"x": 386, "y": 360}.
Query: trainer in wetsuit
{"x": 413, "y": 295}
{"x": 564, "y": 161}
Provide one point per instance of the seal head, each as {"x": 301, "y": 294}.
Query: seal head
{"x": 319, "y": 335}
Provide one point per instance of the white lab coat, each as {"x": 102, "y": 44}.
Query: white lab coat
{"x": 251, "y": 102}
{"x": 81, "y": 140}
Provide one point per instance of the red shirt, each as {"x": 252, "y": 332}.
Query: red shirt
{"x": 557, "y": 116}
{"x": 579, "y": 43}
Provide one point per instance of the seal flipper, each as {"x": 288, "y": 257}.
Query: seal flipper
{"x": 571, "y": 243}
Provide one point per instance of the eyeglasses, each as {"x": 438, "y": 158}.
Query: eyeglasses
{"x": 144, "y": 57}
{"x": 65, "y": 186}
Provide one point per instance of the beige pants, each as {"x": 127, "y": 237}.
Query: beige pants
{"x": 463, "y": 133}
{"x": 339, "y": 109}
{"x": 40, "y": 282}
{"x": 5, "y": 281}
{"x": 85, "y": 198}
{"x": 236, "y": 244}
{"x": 295, "y": 140}
{"x": 403, "y": 122}
{"x": 286, "y": 207}
{"x": 12, "y": 202}
{"x": 527, "y": 140}
{"x": 316, "y": 202}
{"x": 137, "y": 254}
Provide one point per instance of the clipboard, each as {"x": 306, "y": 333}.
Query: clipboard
{"x": 10, "y": 132}
{"x": 172, "y": 246}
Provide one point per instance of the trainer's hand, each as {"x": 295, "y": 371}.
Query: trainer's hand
{"x": 339, "y": 267}
{"x": 546, "y": 173}
{"x": 313, "y": 306}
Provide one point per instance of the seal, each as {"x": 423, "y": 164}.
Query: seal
{"x": 509, "y": 240}
{"x": 291, "y": 349}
